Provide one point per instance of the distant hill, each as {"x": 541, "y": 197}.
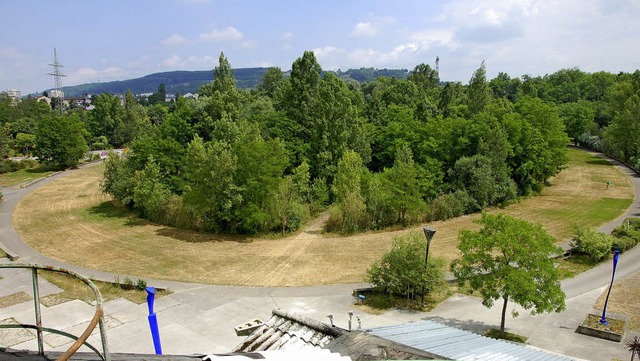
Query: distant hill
{"x": 181, "y": 82}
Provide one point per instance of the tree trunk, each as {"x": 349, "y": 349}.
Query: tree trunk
{"x": 504, "y": 313}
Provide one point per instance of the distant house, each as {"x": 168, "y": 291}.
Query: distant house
{"x": 191, "y": 96}
{"x": 14, "y": 95}
{"x": 42, "y": 98}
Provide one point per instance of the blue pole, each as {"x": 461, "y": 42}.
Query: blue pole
{"x": 603, "y": 320}
{"x": 153, "y": 321}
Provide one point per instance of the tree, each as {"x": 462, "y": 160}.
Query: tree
{"x": 424, "y": 76}
{"x": 224, "y": 80}
{"x": 622, "y": 136}
{"x": 25, "y": 142}
{"x": 271, "y": 80}
{"x": 402, "y": 183}
{"x": 578, "y": 118}
{"x": 211, "y": 193}
{"x": 347, "y": 191}
{"x": 401, "y": 271}
{"x": 510, "y": 259}
{"x": 479, "y": 95}
{"x": 60, "y": 141}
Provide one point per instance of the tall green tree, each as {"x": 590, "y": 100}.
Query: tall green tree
{"x": 271, "y": 81}
{"x": 509, "y": 259}
{"x": 479, "y": 95}
{"x": 404, "y": 187}
{"x": 211, "y": 192}
{"x": 60, "y": 141}
{"x": 347, "y": 191}
{"x": 304, "y": 82}
{"x": 622, "y": 136}
{"x": 224, "y": 81}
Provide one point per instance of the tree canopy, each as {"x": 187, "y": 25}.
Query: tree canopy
{"x": 509, "y": 259}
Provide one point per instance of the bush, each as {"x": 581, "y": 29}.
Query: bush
{"x": 623, "y": 243}
{"x": 451, "y": 205}
{"x": 401, "y": 271}
{"x": 592, "y": 243}
{"x": 627, "y": 235}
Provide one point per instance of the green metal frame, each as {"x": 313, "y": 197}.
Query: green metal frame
{"x": 98, "y": 317}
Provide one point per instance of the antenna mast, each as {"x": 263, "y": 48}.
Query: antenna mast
{"x": 438, "y": 66}
{"x": 57, "y": 74}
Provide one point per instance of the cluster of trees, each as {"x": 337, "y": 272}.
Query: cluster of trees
{"x": 383, "y": 152}
{"x": 390, "y": 151}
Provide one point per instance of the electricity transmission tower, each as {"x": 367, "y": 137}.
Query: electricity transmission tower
{"x": 57, "y": 95}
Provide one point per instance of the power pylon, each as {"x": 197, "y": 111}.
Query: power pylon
{"x": 57, "y": 81}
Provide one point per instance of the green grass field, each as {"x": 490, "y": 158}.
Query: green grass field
{"x": 24, "y": 175}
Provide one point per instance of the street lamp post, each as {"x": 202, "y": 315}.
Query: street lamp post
{"x": 603, "y": 320}
{"x": 428, "y": 233}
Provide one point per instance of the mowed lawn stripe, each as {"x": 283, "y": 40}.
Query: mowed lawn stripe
{"x": 71, "y": 220}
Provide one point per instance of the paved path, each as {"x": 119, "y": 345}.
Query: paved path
{"x": 200, "y": 318}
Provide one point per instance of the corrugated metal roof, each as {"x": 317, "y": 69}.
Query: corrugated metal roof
{"x": 457, "y": 344}
{"x": 288, "y": 332}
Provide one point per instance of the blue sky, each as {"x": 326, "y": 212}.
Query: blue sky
{"x": 117, "y": 39}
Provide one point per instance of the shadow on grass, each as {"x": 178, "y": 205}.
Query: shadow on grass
{"x": 197, "y": 237}
{"x": 598, "y": 161}
{"x": 41, "y": 169}
{"x": 108, "y": 209}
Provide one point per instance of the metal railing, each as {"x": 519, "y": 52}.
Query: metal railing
{"x": 98, "y": 317}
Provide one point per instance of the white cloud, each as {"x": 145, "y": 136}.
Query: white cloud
{"x": 364, "y": 29}
{"x": 287, "y": 40}
{"x": 371, "y": 27}
{"x": 173, "y": 40}
{"x": 173, "y": 62}
{"x": 227, "y": 34}
{"x": 430, "y": 38}
{"x": 9, "y": 54}
{"x": 92, "y": 75}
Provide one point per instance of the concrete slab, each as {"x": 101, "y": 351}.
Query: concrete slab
{"x": 11, "y": 337}
{"x": 68, "y": 314}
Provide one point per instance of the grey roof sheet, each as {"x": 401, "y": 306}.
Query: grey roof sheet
{"x": 288, "y": 331}
{"x": 460, "y": 345}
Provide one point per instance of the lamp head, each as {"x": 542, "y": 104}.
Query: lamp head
{"x": 429, "y": 232}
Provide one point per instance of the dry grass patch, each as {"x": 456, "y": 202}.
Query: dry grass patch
{"x": 624, "y": 300}
{"x": 14, "y": 299}
{"x": 74, "y": 289}
{"x": 71, "y": 220}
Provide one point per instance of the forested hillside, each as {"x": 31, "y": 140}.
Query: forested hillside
{"x": 182, "y": 82}
{"x": 385, "y": 152}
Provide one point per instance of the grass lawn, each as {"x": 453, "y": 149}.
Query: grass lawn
{"x": 24, "y": 175}
{"x": 74, "y": 289}
{"x": 71, "y": 220}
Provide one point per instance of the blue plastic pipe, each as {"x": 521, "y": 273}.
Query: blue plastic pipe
{"x": 153, "y": 321}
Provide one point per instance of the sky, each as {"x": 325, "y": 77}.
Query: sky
{"x": 107, "y": 40}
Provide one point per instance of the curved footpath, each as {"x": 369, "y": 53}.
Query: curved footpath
{"x": 198, "y": 318}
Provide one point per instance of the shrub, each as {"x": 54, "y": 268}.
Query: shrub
{"x": 451, "y": 205}
{"x": 623, "y": 243}
{"x": 626, "y": 235}
{"x": 592, "y": 243}
{"x": 141, "y": 284}
{"x": 401, "y": 271}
